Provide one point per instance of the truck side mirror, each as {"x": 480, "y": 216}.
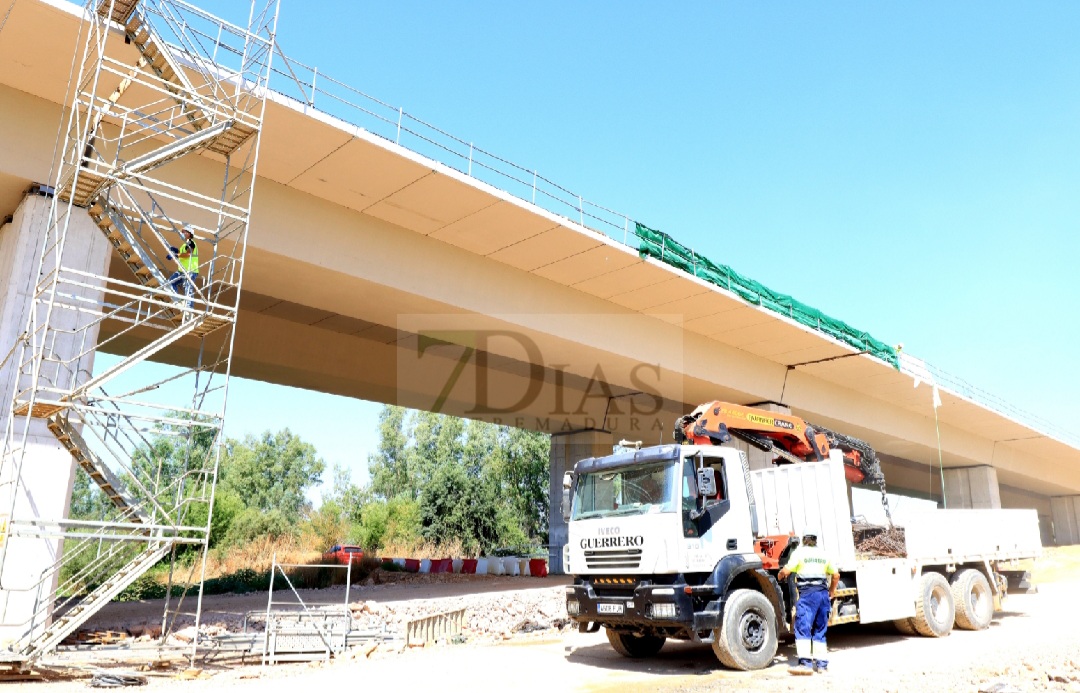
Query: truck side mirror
{"x": 567, "y": 485}
{"x": 706, "y": 482}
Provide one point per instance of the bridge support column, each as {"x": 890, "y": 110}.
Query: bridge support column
{"x": 48, "y": 471}
{"x": 566, "y": 450}
{"x": 972, "y": 487}
{"x": 1066, "y": 513}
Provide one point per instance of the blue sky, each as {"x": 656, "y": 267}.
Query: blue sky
{"x": 910, "y": 168}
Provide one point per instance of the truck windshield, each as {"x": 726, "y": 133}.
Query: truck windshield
{"x": 636, "y": 490}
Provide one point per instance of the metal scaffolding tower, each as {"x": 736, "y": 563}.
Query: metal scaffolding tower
{"x": 166, "y": 107}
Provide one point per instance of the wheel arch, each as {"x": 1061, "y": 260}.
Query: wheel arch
{"x": 736, "y": 572}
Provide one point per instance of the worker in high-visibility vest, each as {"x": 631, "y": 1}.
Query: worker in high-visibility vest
{"x": 816, "y": 579}
{"x": 187, "y": 260}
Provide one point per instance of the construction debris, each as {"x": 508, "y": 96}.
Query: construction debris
{"x": 492, "y": 616}
{"x": 116, "y": 679}
{"x": 878, "y": 541}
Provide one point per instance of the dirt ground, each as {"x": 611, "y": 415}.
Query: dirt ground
{"x": 1034, "y": 645}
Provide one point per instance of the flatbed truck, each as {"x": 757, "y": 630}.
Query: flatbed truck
{"x": 685, "y": 542}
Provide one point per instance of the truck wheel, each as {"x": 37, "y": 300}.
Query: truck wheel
{"x": 746, "y": 638}
{"x": 904, "y": 625}
{"x": 633, "y": 645}
{"x": 934, "y": 609}
{"x": 974, "y": 600}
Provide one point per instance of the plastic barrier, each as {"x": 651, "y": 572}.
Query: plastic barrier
{"x": 412, "y": 565}
{"x": 538, "y": 567}
{"x": 495, "y": 566}
{"x": 456, "y": 565}
{"x": 511, "y": 565}
{"x": 399, "y": 562}
{"x": 523, "y": 566}
{"x": 470, "y": 566}
{"x": 425, "y": 565}
{"x": 441, "y": 565}
{"x": 481, "y": 566}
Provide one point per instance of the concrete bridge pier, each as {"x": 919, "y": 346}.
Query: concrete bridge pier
{"x": 1065, "y": 511}
{"x": 48, "y": 471}
{"x": 972, "y": 487}
{"x": 566, "y": 449}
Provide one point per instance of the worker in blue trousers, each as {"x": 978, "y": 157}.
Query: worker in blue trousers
{"x": 816, "y": 579}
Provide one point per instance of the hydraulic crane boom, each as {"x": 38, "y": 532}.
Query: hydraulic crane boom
{"x": 789, "y": 437}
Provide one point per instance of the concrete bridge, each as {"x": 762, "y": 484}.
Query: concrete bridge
{"x": 375, "y": 272}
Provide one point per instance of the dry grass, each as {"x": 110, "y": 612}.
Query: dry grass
{"x": 424, "y": 549}
{"x": 1058, "y": 564}
{"x": 259, "y": 556}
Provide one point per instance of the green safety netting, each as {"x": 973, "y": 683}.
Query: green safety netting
{"x": 659, "y": 245}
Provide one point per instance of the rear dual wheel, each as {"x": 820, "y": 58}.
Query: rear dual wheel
{"x": 935, "y": 610}
{"x": 973, "y": 598}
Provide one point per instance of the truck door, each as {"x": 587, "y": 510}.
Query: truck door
{"x": 720, "y": 517}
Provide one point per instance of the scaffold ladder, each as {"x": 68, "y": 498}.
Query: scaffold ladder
{"x": 160, "y": 81}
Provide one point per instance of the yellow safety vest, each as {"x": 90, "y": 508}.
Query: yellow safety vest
{"x": 189, "y": 264}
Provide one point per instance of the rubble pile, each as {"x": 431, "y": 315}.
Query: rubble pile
{"x": 491, "y": 616}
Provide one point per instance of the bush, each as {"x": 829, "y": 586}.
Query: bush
{"x": 251, "y": 524}
{"x": 384, "y": 523}
{"x": 145, "y": 587}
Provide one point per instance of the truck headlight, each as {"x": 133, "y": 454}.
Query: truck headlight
{"x": 573, "y": 607}
{"x": 665, "y": 611}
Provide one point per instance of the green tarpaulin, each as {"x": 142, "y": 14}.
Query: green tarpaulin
{"x": 659, "y": 245}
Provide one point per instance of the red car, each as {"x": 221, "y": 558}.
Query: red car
{"x": 343, "y": 554}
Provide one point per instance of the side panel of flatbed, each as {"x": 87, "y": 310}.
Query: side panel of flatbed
{"x": 886, "y": 589}
{"x": 964, "y": 536}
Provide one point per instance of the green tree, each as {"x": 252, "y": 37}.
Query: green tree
{"x": 87, "y": 500}
{"x": 175, "y": 463}
{"x": 272, "y": 473}
{"x": 389, "y": 466}
{"x": 394, "y": 522}
{"x": 478, "y": 483}
{"x": 524, "y": 473}
{"x": 339, "y": 510}
{"x": 348, "y": 497}
{"x": 455, "y": 506}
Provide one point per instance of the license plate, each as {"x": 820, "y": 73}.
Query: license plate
{"x": 609, "y": 608}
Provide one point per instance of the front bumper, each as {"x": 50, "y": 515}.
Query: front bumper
{"x": 642, "y": 605}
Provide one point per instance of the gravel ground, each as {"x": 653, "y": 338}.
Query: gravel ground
{"x": 1033, "y": 646}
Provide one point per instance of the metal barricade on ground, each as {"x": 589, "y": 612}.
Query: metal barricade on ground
{"x": 303, "y": 631}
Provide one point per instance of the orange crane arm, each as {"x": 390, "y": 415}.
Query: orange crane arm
{"x": 789, "y": 437}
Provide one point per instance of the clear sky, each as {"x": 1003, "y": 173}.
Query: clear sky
{"x": 910, "y": 168}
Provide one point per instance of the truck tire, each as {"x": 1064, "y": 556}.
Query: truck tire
{"x": 905, "y": 626}
{"x": 746, "y": 638}
{"x": 974, "y": 600}
{"x": 633, "y": 645}
{"x": 934, "y": 608}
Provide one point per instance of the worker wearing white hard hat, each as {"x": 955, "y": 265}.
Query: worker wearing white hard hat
{"x": 816, "y": 579}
